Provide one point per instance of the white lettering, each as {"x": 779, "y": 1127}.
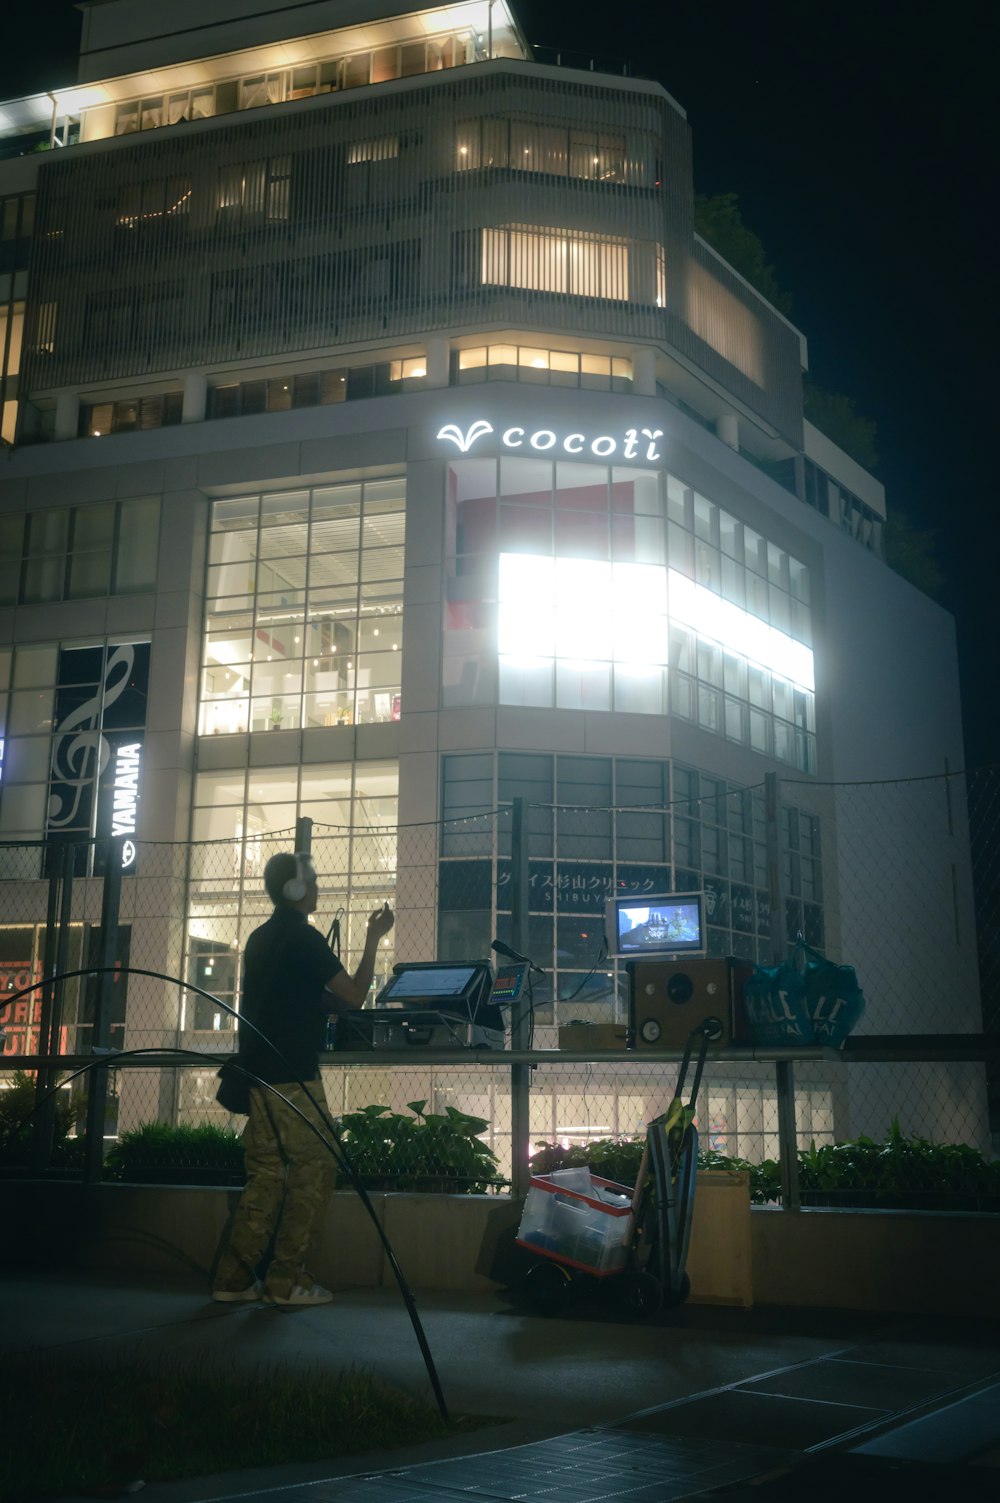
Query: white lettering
{"x": 125, "y": 789}
{"x": 543, "y": 439}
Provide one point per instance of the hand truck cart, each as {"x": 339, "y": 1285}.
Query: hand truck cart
{"x": 632, "y": 1242}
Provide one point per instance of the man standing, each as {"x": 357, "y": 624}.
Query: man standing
{"x": 292, "y": 982}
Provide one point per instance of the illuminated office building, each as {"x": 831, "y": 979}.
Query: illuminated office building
{"x": 369, "y": 399}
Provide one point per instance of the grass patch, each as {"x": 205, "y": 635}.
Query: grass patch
{"x": 74, "y": 1429}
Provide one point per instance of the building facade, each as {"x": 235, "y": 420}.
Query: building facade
{"x": 382, "y": 443}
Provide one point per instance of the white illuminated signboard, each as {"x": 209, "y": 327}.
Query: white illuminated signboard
{"x": 631, "y": 443}
{"x": 125, "y": 796}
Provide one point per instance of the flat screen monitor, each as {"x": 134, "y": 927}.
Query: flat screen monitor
{"x": 430, "y": 985}
{"x": 672, "y": 923}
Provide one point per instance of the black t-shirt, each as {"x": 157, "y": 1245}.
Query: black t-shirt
{"x": 286, "y": 966}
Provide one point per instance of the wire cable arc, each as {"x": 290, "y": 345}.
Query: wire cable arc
{"x": 334, "y": 1146}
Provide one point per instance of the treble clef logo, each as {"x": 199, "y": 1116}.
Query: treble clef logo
{"x": 78, "y": 760}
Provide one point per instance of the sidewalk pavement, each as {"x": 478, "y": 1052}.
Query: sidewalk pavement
{"x": 699, "y": 1400}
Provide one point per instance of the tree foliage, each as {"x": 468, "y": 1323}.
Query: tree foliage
{"x": 839, "y": 419}
{"x": 718, "y": 220}
{"x": 912, "y": 552}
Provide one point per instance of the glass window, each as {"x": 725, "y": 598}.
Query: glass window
{"x": 30, "y": 713}
{"x": 799, "y": 580}
{"x": 704, "y": 518}
{"x": 306, "y": 664}
{"x": 48, "y": 531}
{"x": 357, "y": 71}
{"x": 730, "y": 536}
{"x": 34, "y": 666}
{"x": 90, "y": 559}
{"x": 11, "y": 544}
{"x": 138, "y": 538}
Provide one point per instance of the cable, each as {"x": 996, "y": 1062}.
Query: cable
{"x": 531, "y": 1010}
{"x": 334, "y": 1148}
{"x": 333, "y": 933}
{"x": 601, "y": 955}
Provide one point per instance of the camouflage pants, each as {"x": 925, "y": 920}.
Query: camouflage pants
{"x": 289, "y": 1177}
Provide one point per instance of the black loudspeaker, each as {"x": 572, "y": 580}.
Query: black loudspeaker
{"x": 669, "y": 999}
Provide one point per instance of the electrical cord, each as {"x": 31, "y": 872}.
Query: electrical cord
{"x": 333, "y": 933}
{"x": 531, "y": 1011}
{"x": 334, "y": 1147}
{"x": 601, "y": 955}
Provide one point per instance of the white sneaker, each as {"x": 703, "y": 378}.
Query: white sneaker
{"x": 236, "y": 1296}
{"x": 314, "y": 1295}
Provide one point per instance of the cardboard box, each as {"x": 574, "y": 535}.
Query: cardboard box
{"x": 592, "y": 1036}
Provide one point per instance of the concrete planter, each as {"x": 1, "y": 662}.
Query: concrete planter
{"x": 898, "y": 1261}
{"x": 447, "y": 1242}
{"x": 862, "y": 1260}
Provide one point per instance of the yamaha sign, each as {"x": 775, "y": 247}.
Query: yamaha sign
{"x": 633, "y": 443}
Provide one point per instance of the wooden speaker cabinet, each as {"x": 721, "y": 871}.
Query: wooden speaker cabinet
{"x": 668, "y": 999}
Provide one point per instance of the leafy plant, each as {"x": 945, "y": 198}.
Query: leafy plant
{"x": 717, "y": 219}
{"x": 912, "y": 552}
{"x": 619, "y": 1160}
{"x": 17, "y": 1107}
{"x": 429, "y": 1151}
{"x": 156, "y": 1153}
{"x": 900, "y": 1169}
{"x": 837, "y": 417}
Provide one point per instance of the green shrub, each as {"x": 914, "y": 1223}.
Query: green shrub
{"x": 899, "y": 1168}
{"x": 155, "y": 1153}
{"x": 429, "y": 1151}
{"x": 390, "y": 1151}
{"x": 17, "y": 1106}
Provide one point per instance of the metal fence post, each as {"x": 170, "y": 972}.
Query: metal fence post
{"x": 97, "y": 1092}
{"x": 775, "y": 896}
{"x": 784, "y": 1070}
{"x": 304, "y": 834}
{"x": 520, "y": 1075}
{"x": 44, "y": 1118}
{"x": 788, "y": 1146}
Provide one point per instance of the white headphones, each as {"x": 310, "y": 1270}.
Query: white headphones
{"x": 295, "y": 888}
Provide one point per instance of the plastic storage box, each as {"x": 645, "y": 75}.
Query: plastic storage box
{"x": 584, "y": 1230}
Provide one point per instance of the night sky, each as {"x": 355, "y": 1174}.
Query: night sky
{"x": 861, "y": 142}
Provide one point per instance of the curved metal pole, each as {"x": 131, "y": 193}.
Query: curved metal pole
{"x": 335, "y": 1147}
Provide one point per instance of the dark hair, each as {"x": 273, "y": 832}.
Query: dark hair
{"x": 279, "y": 870}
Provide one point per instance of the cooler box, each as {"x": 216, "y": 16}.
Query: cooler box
{"x": 584, "y": 1230}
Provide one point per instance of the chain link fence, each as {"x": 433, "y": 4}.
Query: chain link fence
{"x": 900, "y": 880}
